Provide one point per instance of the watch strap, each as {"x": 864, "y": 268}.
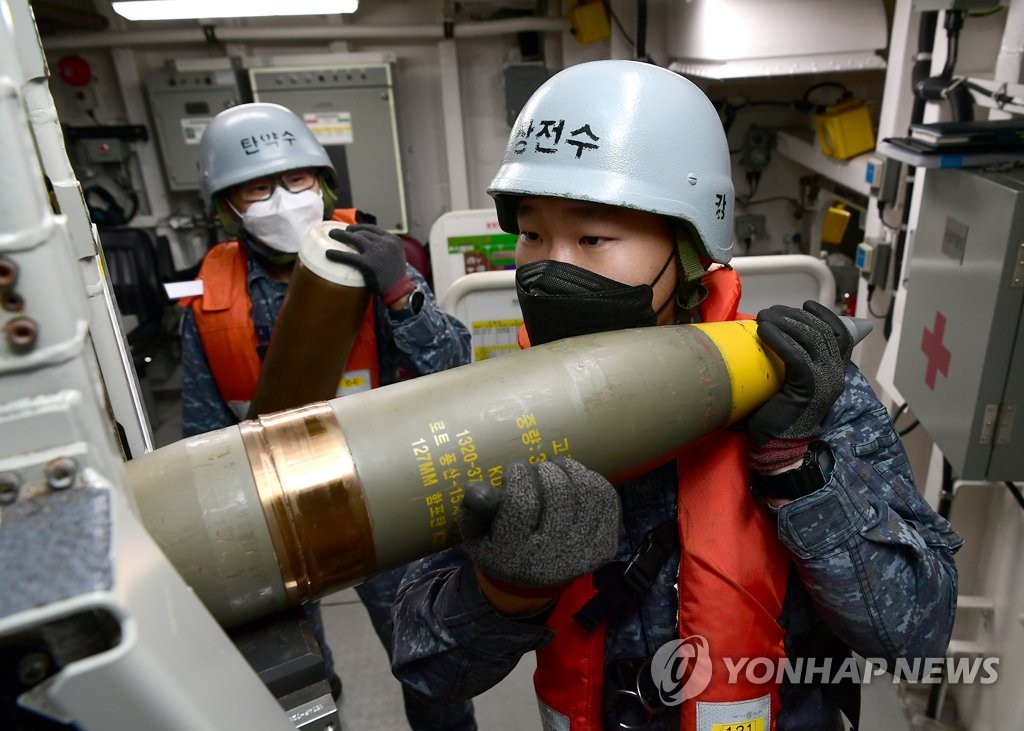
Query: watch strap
{"x": 810, "y": 476}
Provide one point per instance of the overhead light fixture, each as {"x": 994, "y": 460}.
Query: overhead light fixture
{"x": 733, "y": 39}
{"x": 184, "y": 9}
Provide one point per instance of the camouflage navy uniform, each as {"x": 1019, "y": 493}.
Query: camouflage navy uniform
{"x": 875, "y": 566}
{"x": 428, "y": 342}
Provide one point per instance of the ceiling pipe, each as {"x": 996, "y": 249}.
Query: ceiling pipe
{"x": 237, "y": 34}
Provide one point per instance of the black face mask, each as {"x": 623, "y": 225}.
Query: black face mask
{"x": 561, "y": 300}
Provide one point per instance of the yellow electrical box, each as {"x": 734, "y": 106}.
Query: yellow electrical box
{"x": 844, "y": 129}
{"x": 590, "y": 22}
{"x": 833, "y": 228}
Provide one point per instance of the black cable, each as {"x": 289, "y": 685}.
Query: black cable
{"x": 903, "y": 407}
{"x": 622, "y": 30}
{"x": 822, "y": 85}
{"x": 953, "y": 22}
{"x": 769, "y": 103}
{"x": 753, "y": 181}
{"x": 914, "y": 425}
{"x": 1016, "y": 493}
{"x": 952, "y": 50}
{"x": 846, "y": 93}
{"x": 996, "y": 96}
{"x": 729, "y": 110}
{"x": 961, "y": 103}
{"x": 640, "y": 49}
{"x": 773, "y": 199}
{"x": 946, "y": 491}
{"x": 618, "y": 23}
{"x": 898, "y": 253}
{"x": 922, "y": 62}
{"x": 728, "y": 114}
{"x": 871, "y": 292}
{"x": 881, "y": 217}
{"x": 133, "y": 198}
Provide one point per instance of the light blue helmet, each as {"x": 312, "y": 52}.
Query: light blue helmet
{"x": 254, "y": 140}
{"x": 627, "y": 134}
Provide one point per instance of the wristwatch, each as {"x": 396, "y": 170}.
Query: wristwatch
{"x": 412, "y": 307}
{"x": 810, "y": 476}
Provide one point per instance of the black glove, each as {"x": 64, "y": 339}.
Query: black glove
{"x": 381, "y": 259}
{"x": 552, "y": 522}
{"x": 815, "y": 347}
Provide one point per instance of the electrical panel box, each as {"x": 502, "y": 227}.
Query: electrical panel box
{"x": 104, "y": 149}
{"x": 961, "y": 351}
{"x": 351, "y": 111}
{"x": 183, "y": 103}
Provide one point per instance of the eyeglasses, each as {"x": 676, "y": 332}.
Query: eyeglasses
{"x": 294, "y": 181}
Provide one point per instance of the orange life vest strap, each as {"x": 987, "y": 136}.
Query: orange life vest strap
{"x": 573, "y": 661}
{"x": 724, "y": 292}
{"x": 223, "y": 319}
{"x": 733, "y": 570}
{"x": 345, "y": 215}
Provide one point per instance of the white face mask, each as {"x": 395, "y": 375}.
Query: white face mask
{"x": 283, "y": 220}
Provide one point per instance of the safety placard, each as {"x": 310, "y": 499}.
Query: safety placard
{"x": 330, "y": 128}
{"x": 192, "y": 129}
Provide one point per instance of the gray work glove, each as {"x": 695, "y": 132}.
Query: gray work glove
{"x": 815, "y": 347}
{"x": 380, "y": 258}
{"x": 552, "y": 522}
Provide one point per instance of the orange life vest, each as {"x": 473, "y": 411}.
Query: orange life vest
{"x": 732, "y": 580}
{"x": 227, "y": 333}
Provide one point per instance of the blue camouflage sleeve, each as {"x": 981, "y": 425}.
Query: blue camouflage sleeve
{"x": 450, "y": 643}
{"x": 202, "y": 408}
{"x": 875, "y": 558}
{"x": 431, "y": 340}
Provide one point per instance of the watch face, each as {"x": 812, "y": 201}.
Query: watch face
{"x": 416, "y": 301}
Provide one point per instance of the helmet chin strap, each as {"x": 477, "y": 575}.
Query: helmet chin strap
{"x": 330, "y": 196}
{"x": 668, "y": 300}
{"x": 690, "y": 292}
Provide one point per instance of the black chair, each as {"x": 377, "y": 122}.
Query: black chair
{"x": 131, "y": 258}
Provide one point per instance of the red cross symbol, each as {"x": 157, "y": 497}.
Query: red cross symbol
{"x": 937, "y": 353}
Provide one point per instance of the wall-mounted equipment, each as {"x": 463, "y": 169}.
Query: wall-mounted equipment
{"x": 589, "y": 20}
{"x": 521, "y": 80}
{"x": 833, "y": 226}
{"x": 183, "y": 103}
{"x": 731, "y": 39}
{"x": 961, "y": 350}
{"x": 351, "y": 110}
{"x": 844, "y": 130}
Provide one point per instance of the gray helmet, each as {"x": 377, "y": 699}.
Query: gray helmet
{"x": 253, "y": 140}
{"x": 627, "y": 134}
